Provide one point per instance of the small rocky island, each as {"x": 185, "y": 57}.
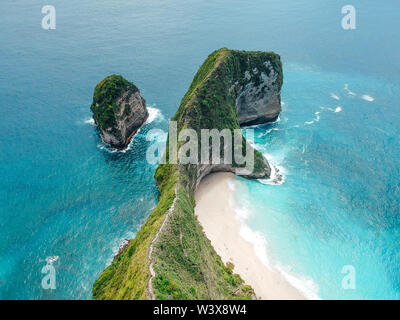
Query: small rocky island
{"x": 118, "y": 110}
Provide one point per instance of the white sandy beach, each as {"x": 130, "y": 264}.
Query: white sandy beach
{"x": 216, "y": 215}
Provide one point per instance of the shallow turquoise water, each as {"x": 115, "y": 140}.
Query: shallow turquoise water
{"x": 63, "y": 194}
{"x": 338, "y": 205}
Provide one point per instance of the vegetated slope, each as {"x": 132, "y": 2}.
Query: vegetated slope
{"x": 118, "y": 110}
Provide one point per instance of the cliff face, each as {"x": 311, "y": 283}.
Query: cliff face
{"x": 232, "y": 89}
{"x": 170, "y": 257}
{"x": 259, "y": 101}
{"x": 118, "y": 110}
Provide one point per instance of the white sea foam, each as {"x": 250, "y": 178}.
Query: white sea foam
{"x": 276, "y": 178}
{"x": 154, "y": 114}
{"x": 90, "y": 121}
{"x": 305, "y": 285}
{"x": 103, "y": 146}
{"x": 258, "y": 242}
{"x": 267, "y": 132}
{"x": 118, "y": 244}
{"x": 242, "y": 214}
{"x": 337, "y": 109}
{"x": 256, "y": 125}
{"x": 110, "y": 149}
{"x": 318, "y": 115}
{"x": 131, "y": 142}
{"x": 346, "y": 87}
{"x": 316, "y": 119}
{"x": 334, "y": 96}
{"x": 367, "y": 98}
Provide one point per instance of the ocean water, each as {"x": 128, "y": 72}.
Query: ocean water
{"x": 336, "y": 147}
{"x": 64, "y": 194}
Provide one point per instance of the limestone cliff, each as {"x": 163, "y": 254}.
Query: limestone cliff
{"x": 232, "y": 89}
{"x": 119, "y": 110}
{"x": 170, "y": 257}
{"x": 259, "y": 101}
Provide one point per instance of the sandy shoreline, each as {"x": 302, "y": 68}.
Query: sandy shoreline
{"x": 215, "y": 214}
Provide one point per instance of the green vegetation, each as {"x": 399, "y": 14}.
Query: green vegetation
{"x": 127, "y": 276}
{"x": 105, "y": 95}
{"x": 185, "y": 263}
{"x": 211, "y": 99}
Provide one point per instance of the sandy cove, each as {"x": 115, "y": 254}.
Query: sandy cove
{"x": 218, "y": 219}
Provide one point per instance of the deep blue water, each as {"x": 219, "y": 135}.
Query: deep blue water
{"x": 63, "y": 194}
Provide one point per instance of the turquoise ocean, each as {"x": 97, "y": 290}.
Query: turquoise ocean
{"x": 64, "y": 194}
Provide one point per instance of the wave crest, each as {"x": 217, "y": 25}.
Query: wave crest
{"x": 154, "y": 114}
{"x": 276, "y": 178}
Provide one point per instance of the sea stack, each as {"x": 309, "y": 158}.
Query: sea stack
{"x": 118, "y": 110}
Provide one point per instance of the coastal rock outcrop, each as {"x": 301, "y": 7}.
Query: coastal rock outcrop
{"x": 259, "y": 101}
{"x": 118, "y": 110}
